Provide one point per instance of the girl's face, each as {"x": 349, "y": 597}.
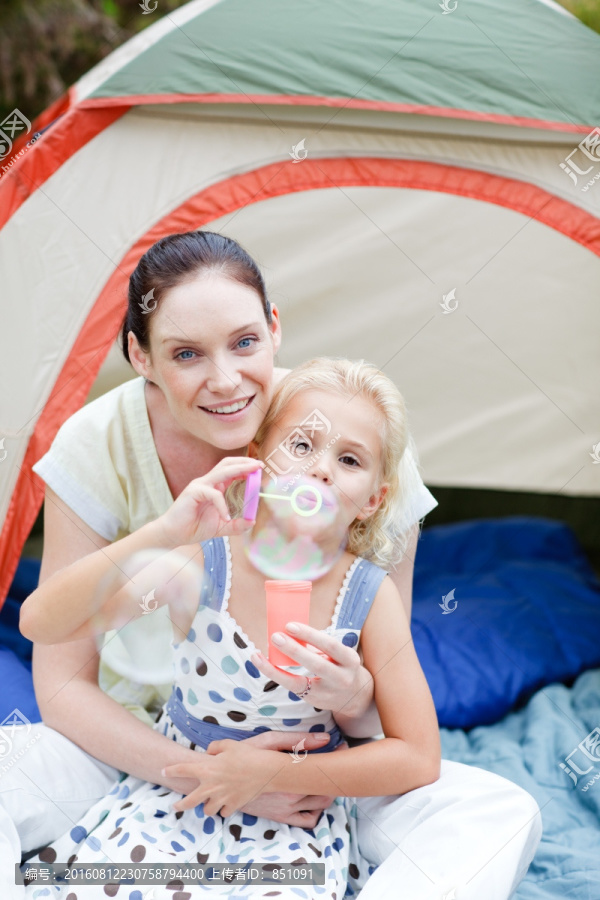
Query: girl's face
{"x": 335, "y": 439}
{"x": 211, "y": 353}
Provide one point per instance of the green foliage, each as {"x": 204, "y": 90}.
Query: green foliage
{"x": 47, "y": 45}
{"x": 586, "y": 10}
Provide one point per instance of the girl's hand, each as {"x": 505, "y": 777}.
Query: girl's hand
{"x": 340, "y": 683}
{"x": 200, "y": 512}
{"x": 230, "y": 776}
{"x": 303, "y": 810}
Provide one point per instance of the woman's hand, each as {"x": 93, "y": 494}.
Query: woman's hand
{"x": 303, "y": 810}
{"x": 200, "y": 512}
{"x": 340, "y": 683}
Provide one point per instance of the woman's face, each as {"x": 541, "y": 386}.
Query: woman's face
{"x": 211, "y": 353}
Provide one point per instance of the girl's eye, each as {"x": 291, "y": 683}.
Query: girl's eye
{"x": 247, "y": 342}
{"x": 301, "y": 448}
{"x": 349, "y": 460}
{"x": 182, "y": 355}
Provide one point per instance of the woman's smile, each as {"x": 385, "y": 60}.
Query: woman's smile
{"x": 229, "y": 410}
{"x": 212, "y": 357}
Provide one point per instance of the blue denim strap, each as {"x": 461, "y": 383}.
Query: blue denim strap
{"x": 360, "y": 593}
{"x": 215, "y": 573}
{"x": 202, "y": 733}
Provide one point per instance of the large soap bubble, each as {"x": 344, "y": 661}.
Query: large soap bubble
{"x": 299, "y": 532}
{"x": 140, "y": 647}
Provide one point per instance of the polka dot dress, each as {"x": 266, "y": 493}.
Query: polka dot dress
{"x": 218, "y": 693}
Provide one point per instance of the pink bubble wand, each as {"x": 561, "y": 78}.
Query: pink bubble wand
{"x": 253, "y": 493}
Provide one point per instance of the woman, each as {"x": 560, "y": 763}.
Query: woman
{"x": 201, "y": 332}
{"x": 221, "y": 621}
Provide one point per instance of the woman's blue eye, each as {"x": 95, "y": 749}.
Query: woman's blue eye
{"x": 181, "y": 355}
{"x": 246, "y": 342}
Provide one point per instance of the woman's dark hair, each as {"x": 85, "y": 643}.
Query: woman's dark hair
{"x": 175, "y": 259}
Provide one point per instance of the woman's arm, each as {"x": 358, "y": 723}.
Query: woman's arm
{"x": 71, "y": 701}
{"x": 66, "y": 676}
{"x": 402, "y": 574}
{"x": 407, "y": 758}
{"x": 100, "y": 590}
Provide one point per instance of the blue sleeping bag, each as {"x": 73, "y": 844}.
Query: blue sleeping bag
{"x": 523, "y": 612}
{"x": 528, "y": 747}
{"x": 15, "y": 650}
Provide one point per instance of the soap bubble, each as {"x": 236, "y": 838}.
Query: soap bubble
{"x": 140, "y": 647}
{"x": 299, "y": 533}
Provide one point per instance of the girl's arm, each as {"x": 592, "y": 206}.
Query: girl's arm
{"x": 407, "y": 758}
{"x": 344, "y": 685}
{"x": 366, "y": 722}
{"x": 101, "y": 591}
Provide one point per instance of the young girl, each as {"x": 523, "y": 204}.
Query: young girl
{"x": 225, "y": 690}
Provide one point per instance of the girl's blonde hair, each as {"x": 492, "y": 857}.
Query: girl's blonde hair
{"x": 383, "y": 537}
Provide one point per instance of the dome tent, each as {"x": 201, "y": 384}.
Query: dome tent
{"x": 415, "y": 181}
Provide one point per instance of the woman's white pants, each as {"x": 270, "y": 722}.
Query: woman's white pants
{"x": 470, "y": 835}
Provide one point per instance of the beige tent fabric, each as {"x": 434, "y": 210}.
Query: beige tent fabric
{"x": 502, "y": 392}
{"x": 368, "y": 265}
